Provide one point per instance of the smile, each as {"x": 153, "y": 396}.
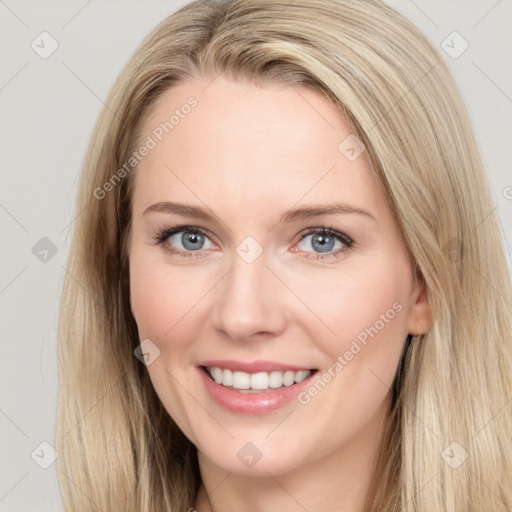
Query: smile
{"x": 255, "y": 382}
{"x": 254, "y": 388}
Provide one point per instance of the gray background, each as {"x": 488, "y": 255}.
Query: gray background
{"x": 48, "y": 108}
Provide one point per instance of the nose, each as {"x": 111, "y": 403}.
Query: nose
{"x": 249, "y": 302}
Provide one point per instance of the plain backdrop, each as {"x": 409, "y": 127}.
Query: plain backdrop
{"x": 48, "y": 108}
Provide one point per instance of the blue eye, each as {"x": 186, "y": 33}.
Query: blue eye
{"x": 186, "y": 241}
{"x": 190, "y": 240}
{"x": 323, "y": 241}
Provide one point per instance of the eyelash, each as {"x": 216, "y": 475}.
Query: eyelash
{"x": 161, "y": 237}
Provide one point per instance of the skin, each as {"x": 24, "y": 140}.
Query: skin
{"x": 248, "y": 153}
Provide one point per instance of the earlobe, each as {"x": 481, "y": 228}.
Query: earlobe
{"x": 419, "y": 320}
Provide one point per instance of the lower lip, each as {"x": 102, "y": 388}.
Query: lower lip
{"x": 252, "y": 403}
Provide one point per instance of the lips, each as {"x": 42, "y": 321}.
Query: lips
{"x": 253, "y": 388}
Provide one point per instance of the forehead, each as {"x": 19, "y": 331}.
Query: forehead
{"x": 246, "y": 146}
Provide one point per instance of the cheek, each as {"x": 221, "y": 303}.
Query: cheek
{"x": 365, "y": 311}
{"x": 166, "y": 306}
{"x": 162, "y": 301}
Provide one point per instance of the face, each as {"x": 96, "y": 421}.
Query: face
{"x": 263, "y": 252}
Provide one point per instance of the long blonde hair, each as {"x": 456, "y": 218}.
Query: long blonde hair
{"x": 447, "y": 446}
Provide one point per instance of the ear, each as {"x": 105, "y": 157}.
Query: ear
{"x": 419, "y": 319}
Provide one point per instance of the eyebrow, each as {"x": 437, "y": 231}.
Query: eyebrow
{"x": 287, "y": 217}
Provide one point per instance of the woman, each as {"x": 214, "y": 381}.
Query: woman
{"x": 288, "y": 289}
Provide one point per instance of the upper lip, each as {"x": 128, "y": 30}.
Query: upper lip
{"x": 253, "y": 366}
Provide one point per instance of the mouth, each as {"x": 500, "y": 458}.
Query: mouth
{"x": 255, "y": 387}
{"x": 258, "y": 382}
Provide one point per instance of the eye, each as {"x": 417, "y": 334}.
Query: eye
{"x": 185, "y": 241}
{"x": 324, "y": 242}
{"x": 190, "y": 240}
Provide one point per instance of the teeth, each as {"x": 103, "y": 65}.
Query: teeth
{"x": 275, "y": 380}
{"x": 241, "y": 380}
{"x": 288, "y": 378}
{"x": 260, "y": 381}
{"x": 217, "y": 375}
{"x": 227, "y": 377}
{"x": 300, "y": 376}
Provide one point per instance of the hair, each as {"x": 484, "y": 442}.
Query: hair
{"x": 119, "y": 449}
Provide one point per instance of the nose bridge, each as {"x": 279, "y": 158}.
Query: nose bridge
{"x": 249, "y": 301}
